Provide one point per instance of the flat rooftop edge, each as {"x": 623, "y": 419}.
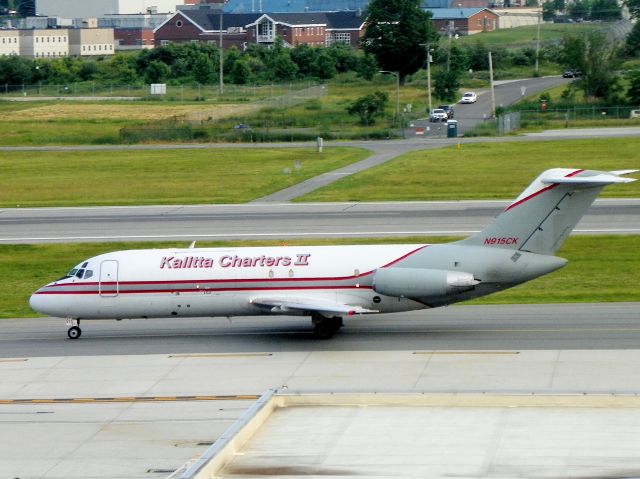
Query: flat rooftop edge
{"x": 235, "y": 438}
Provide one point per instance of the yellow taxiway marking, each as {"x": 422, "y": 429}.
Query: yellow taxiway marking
{"x": 15, "y": 360}
{"x": 236, "y": 397}
{"x": 220, "y": 355}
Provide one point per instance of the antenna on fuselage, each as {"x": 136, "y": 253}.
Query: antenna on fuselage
{"x": 192, "y": 245}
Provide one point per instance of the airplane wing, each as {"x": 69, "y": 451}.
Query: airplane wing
{"x": 293, "y": 304}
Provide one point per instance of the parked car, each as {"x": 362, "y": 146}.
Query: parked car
{"x": 469, "y": 97}
{"x": 448, "y": 109}
{"x": 242, "y": 127}
{"x": 571, "y": 74}
{"x": 438, "y": 114}
{"x": 634, "y": 114}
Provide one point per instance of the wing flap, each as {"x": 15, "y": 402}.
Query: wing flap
{"x": 283, "y": 305}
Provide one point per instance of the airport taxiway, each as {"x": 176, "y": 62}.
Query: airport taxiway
{"x": 138, "y": 399}
{"x": 282, "y": 221}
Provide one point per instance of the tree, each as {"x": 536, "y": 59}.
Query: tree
{"x": 157, "y": 72}
{"x": 396, "y": 33}
{"x": 578, "y": 9}
{"x": 632, "y": 45}
{"x": 597, "y": 58}
{"x": 446, "y": 84}
{"x": 548, "y": 10}
{"x": 203, "y": 69}
{"x": 325, "y": 67}
{"x": 633, "y": 92}
{"x": 26, "y": 8}
{"x": 241, "y": 72}
{"x": 369, "y": 107}
{"x": 634, "y": 8}
{"x": 607, "y": 10}
{"x": 367, "y": 67}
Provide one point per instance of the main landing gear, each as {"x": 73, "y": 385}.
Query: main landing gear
{"x": 74, "y": 332}
{"x": 325, "y": 328}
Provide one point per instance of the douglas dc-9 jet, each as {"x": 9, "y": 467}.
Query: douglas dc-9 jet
{"x": 331, "y": 283}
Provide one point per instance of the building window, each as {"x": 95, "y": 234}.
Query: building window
{"x": 179, "y": 23}
{"x": 164, "y": 43}
{"x": 195, "y": 41}
{"x": 339, "y": 37}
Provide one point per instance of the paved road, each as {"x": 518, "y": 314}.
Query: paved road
{"x": 508, "y": 327}
{"x": 282, "y": 221}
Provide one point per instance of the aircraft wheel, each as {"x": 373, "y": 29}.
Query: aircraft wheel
{"x": 74, "y": 332}
{"x": 325, "y": 328}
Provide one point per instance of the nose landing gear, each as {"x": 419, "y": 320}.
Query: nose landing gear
{"x": 74, "y": 332}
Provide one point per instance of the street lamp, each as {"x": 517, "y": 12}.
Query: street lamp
{"x": 397, "y": 75}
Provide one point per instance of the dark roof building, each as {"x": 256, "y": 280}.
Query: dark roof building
{"x": 311, "y": 28}
{"x": 464, "y": 21}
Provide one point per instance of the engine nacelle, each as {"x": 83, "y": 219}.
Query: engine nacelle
{"x": 421, "y": 282}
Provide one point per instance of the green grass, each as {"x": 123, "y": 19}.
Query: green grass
{"x": 601, "y": 268}
{"x": 481, "y": 171}
{"x": 145, "y": 177}
{"x": 526, "y": 36}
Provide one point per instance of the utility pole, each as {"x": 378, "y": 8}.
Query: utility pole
{"x": 449, "y": 34}
{"x": 428, "y": 48}
{"x": 221, "y": 54}
{"x": 493, "y": 93}
{"x": 538, "y": 39}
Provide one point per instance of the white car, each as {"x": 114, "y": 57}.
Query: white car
{"x": 469, "y": 97}
{"x": 438, "y": 114}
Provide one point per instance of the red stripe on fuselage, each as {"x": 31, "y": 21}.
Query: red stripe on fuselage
{"x": 200, "y": 290}
{"x": 229, "y": 280}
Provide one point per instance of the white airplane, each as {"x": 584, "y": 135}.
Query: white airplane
{"x": 330, "y": 283}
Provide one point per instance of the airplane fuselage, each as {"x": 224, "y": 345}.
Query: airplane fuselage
{"x": 191, "y": 282}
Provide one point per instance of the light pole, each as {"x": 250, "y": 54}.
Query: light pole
{"x": 397, "y": 75}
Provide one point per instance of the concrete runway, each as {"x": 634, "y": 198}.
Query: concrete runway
{"x": 501, "y": 327}
{"x": 282, "y": 221}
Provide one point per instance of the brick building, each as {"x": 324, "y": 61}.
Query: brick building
{"x": 464, "y": 21}
{"x": 315, "y": 29}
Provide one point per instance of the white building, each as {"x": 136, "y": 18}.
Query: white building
{"x": 9, "y": 42}
{"x": 44, "y": 43}
{"x": 100, "y": 8}
{"x": 85, "y": 42}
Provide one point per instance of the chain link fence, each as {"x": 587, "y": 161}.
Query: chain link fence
{"x": 184, "y": 92}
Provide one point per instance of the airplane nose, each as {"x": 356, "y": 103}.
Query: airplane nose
{"x": 37, "y": 302}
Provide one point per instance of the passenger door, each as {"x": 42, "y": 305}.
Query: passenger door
{"x": 109, "y": 278}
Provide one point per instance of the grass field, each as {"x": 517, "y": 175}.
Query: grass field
{"x": 525, "y": 36}
{"x": 601, "y": 268}
{"x": 481, "y": 171}
{"x": 63, "y": 178}
{"x": 71, "y": 123}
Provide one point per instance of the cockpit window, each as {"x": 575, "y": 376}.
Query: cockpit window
{"x": 79, "y": 272}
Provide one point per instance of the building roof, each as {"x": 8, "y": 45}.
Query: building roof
{"x": 209, "y": 21}
{"x": 290, "y": 6}
{"x": 453, "y": 13}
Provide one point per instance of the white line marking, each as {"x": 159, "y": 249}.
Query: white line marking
{"x": 301, "y": 234}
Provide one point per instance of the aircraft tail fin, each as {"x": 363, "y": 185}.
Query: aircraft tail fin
{"x": 541, "y": 218}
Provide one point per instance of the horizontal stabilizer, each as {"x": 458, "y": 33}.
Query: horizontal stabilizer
{"x": 589, "y": 178}
{"x": 288, "y": 304}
